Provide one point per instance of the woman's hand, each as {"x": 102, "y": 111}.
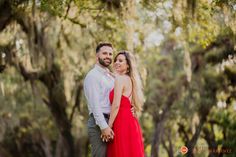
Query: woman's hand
{"x": 110, "y": 124}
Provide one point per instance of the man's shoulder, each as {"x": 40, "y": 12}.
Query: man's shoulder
{"x": 92, "y": 74}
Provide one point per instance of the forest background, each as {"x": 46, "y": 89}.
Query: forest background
{"x": 186, "y": 56}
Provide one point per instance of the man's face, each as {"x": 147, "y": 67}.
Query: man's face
{"x": 104, "y": 56}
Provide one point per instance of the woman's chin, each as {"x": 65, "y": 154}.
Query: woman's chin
{"x": 117, "y": 72}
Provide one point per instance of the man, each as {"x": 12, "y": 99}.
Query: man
{"x": 97, "y": 86}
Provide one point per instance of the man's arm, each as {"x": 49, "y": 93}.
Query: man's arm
{"x": 91, "y": 89}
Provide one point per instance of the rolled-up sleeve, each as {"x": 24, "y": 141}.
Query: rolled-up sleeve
{"x": 92, "y": 94}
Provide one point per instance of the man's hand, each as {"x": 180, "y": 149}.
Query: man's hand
{"x": 133, "y": 111}
{"x": 107, "y": 134}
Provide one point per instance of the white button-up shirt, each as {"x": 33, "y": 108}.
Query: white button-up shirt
{"x": 97, "y": 85}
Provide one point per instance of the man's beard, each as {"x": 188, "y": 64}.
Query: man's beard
{"x": 103, "y": 63}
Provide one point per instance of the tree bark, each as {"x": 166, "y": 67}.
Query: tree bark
{"x": 160, "y": 119}
{"x": 51, "y": 76}
{"x": 168, "y": 148}
{"x": 160, "y": 124}
{"x": 5, "y": 14}
{"x": 157, "y": 138}
{"x": 129, "y": 17}
{"x": 4, "y": 152}
{"x": 209, "y": 136}
{"x": 56, "y": 103}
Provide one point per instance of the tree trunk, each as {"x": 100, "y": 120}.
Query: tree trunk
{"x": 129, "y": 13}
{"x": 209, "y": 136}
{"x": 51, "y": 76}
{"x": 160, "y": 124}
{"x": 4, "y": 153}
{"x": 194, "y": 139}
{"x": 5, "y": 14}
{"x": 160, "y": 120}
{"x": 157, "y": 138}
{"x": 203, "y": 112}
{"x": 168, "y": 148}
{"x": 56, "y": 103}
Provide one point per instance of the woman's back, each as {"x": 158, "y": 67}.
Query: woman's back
{"x": 127, "y": 141}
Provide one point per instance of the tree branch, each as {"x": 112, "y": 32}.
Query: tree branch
{"x": 68, "y": 9}
{"x": 77, "y": 100}
{"x": 182, "y": 130}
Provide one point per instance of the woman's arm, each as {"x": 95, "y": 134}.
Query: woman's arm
{"x": 118, "y": 89}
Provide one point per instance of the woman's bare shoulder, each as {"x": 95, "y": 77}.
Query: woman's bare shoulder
{"x": 121, "y": 78}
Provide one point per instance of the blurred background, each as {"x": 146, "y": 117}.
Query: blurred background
{"x": 186, "y": 56}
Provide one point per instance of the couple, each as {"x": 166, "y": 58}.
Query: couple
{"x": 113, "y": 129}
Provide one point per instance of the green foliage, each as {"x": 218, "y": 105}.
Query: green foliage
{"x": 53, "y": 7}
{"x": 163, "y": 31}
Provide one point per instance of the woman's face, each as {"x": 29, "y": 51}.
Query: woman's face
{"x": 120, "y": 64}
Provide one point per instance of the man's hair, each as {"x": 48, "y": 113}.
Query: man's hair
{"x": 103, "y": 44}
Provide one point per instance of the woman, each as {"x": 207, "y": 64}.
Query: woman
{"x": 127, "y": 140}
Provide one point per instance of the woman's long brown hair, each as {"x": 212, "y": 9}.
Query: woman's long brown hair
{"x": 137, "y": 93}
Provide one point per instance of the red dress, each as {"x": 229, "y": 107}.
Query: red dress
{"x": 127, "y": 141}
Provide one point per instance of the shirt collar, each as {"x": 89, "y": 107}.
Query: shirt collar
{"x": 100, "y": 69}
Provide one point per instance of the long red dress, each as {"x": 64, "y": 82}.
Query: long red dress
{"x": 127, "y": 141}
